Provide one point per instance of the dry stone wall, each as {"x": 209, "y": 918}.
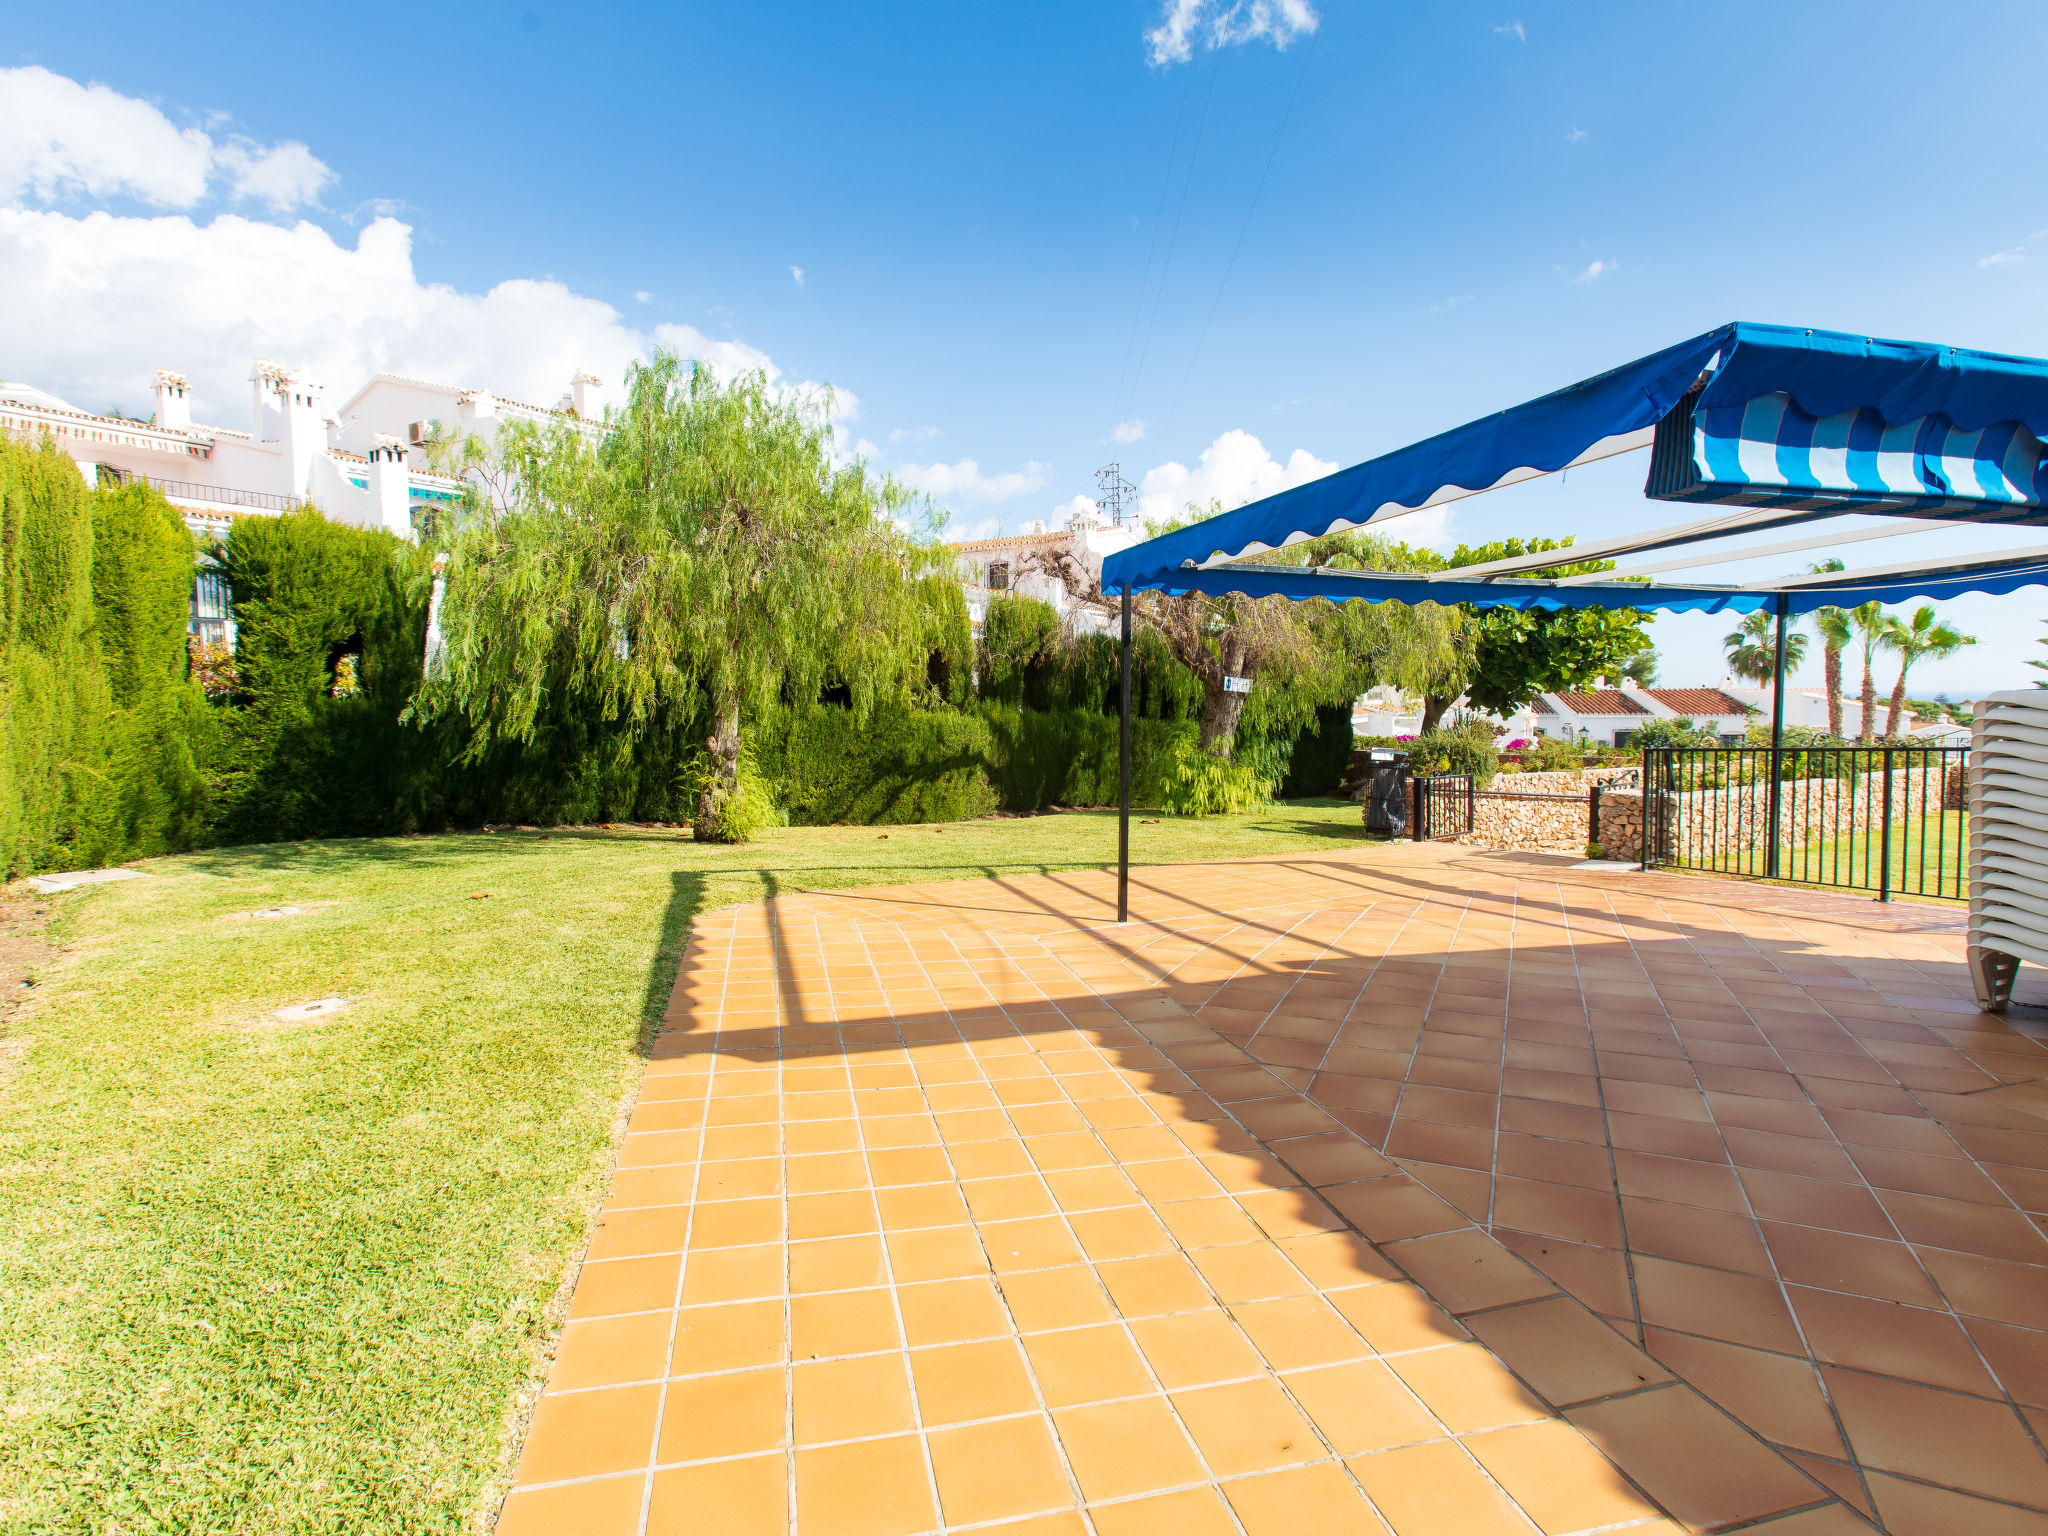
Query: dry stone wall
{"x": 1554, "y": 811}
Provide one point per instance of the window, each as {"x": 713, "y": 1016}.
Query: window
{"x": 212, "y": 622}
{"x": 999, "y": 575}
{"x": 1623, "y": 738}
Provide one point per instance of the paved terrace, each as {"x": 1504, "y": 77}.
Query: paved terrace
{"x": 1414, "y": 1189}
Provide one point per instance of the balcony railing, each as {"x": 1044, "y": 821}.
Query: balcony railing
{"x": 213, "y": 495}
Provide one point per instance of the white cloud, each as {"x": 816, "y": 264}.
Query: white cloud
{"x": 1234, "y": 469}
{"x": 286, "y": 176}
{"x": 1452, "y": 302}
{"x": 956, "y": 532}
{"x": 1185, "y": 25}
{"x": 61, "y": 139}
{"x": 1512, "y": 29}
{"x": 1128, "y": 431}
{"x": 1999, "y": 258}
{"x": 1576, "y": 136}
{"x": 97, "y": 302}
{"x": 914, "y": 434}
{"x": 642, "y": 296}
{"x": 1596, "y": 270}
{"x": 798, "y": 274}
{"x": 965, "y": 480}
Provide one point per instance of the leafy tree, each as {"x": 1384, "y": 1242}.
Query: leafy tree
{"x": 1515, "y": 654}
{"x": 1752, "y": 648}
{"x": 1297, "y": 654}
{"x": 1640, "y": 669}
{"x": 703, "y": 557}
{"x": 1922, "y": 636}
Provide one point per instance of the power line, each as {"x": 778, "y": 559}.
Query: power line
{"x": 1152, "y": 248}
{"x": 1166, "y": 265}
{"x": 1245, "y": 228}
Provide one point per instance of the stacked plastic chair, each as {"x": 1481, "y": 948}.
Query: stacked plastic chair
{"x": 2008, "y": 798}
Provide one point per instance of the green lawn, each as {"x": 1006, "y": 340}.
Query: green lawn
{"x": 1930, "y": 856}
{"x": 258, "y": 1277}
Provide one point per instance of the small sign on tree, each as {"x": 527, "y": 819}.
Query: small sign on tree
{"x": 1237, "y": 685}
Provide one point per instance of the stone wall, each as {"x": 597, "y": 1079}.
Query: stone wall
{"x": 1512, "y": 819}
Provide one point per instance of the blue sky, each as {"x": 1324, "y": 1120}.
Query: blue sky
{"x": 1020, "y": 227}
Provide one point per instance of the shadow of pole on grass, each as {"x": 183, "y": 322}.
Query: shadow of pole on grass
{"x": 685, "y": 900}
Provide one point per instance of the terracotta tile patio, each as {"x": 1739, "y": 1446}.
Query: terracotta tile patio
{"x": 1415, "y": 1189}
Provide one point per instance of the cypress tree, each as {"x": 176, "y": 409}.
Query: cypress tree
{"x": 54, "y": 701}
{"x": 142, "y": 573}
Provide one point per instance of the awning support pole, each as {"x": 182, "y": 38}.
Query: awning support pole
{"x": 1123, "y": 774}
{"x": 1771, "y": 840}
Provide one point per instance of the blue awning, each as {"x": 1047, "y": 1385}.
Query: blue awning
{"x": 1816, "y": 422}
{"x": 1256, "y": 579}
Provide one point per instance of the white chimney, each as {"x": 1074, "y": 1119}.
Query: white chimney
{"x": 173, "y": 404}
{"x": 302, "y": 403}
{"x": 585, "y": 397}
{"x": 391, "y": 485}
{"x": 266, "y": 382}
{"x": 477, "y": 405}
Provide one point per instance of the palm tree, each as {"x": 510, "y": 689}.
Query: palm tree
{"x": 1753, "y": 649}
{"x": 1925, "y": 635}
{"x": 1868, "y": 620}
{"x": 1835, "y": 632}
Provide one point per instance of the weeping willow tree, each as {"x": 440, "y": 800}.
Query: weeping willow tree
{"x": 1298, "y": 654}
{"x": 702, "y": 558}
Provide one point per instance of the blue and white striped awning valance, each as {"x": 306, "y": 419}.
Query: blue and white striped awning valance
{"x": 1770, "y": 452}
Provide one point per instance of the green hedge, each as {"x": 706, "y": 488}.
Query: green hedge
{"x": 109, "y": 750}
{"x": 54, "y": 699}
{"x": 161, "y": 733}
{"x": 1321, "y": 758}
{"x": 898, "y": 765}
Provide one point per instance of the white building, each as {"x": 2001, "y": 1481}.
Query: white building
{"x": 1611, "y": 717}
{"x": 364, "y": 463}
{"x": 989, "y": 567}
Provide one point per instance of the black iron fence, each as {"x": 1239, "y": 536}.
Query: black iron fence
{"x": 1444, "y": 806}
{"x": 1886, "y": 819}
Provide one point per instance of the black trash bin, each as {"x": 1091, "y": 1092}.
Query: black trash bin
{"x": 1386, "y": 793}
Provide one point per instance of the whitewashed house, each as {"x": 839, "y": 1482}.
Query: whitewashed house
{"x": 991, "y": 567}
{"x": 363, "y": 463}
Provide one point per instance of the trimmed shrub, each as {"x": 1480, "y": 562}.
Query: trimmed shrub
{"x": 1069, "y": 757}
{"x": 898, "y": 765}
{"x": 295, "y": 760}
{"x": 1456, "y": 749}
{"x": 160, "y": 730}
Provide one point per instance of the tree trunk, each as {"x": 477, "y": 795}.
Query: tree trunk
{"x": 1220, "y": 712}
{"x": 1869, "y": 700}
{"x": 723, "y": 744}
{"x": 1891, "y": 724}
{"x": 1434, "y": 707}
{"x": 1835, "y": 691}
